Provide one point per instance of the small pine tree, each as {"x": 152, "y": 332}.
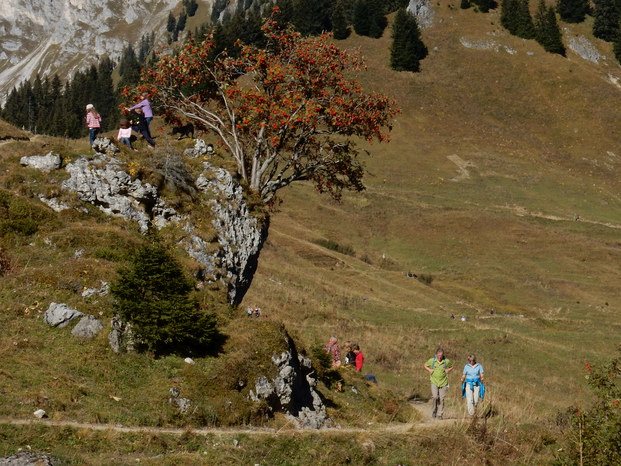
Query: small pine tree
{"x": 548, "y": 34}
{"x": 485, "y": 5}
{"x": 362, "y": 23}
{"x": 465, "y": 4}
{"x": 616, "y": 48}
{"x": 407, "y": 47}
{"x": 573, "y": 11}
{"x": 606, "y": 20}
{"x": 153, "y": 295}
{"x": 340, "y": 28}
{"x": 524, "y": 26}
{"x": 172, "y": 23}
{"x": 181, "y": 22}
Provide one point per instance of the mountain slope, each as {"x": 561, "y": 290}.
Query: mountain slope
{"x": 43, "y": 37}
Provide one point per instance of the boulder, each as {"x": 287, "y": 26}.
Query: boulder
{"x": 199, "y": 149}
{"x": 87, "y": 327}
{"x": 28, "y": 458}
{"x": 105, "y": 146}
{"x": 46, "y": 163}
{"x": 59, "y": 315}
{"x": 423, "y": 12}
{"x": 103, "y": 290}
{"x": 292, "y": 390}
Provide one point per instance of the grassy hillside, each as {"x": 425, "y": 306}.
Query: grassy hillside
{"x": 494, "y": 156}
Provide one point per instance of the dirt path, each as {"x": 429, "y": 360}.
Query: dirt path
{"x": 397, "y": 428}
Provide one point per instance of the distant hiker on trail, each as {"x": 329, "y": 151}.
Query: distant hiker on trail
{"x": 472, "y": 387}
{"x": 333, "y": 349}
{"x": 139, "y": 124}
{"x": 93, "y": 121}
{"x": 359, "y": 357}
{"x": 438, "y": 367}
{"x": 125, "y": 133}
{"x": 145, "y": 106}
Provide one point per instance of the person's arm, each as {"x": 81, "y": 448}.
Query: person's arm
{"x": 449, "y": 368}
{"x": 428, "y": 369}
{"x": 138, "y": 105}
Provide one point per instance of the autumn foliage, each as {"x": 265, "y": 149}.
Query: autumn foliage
{"x": 287, "y": 112}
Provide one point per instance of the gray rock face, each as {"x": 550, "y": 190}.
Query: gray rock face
{"x": 46, "y": 163}
{"x": 584, "y": 49}
{"x": 87, "y": 327}
{"x": 103, "y": 290}
{"x": 27, "y": 458}
{"x": 199, "y": 149}
{"x": 292, "y": 390}
{"x": 60, "y": 315}
{"x": 239, "y": 233}
{"x": 181, "y": 404}
{"x": 103, "y": 182}
{"x": 423, "y": 11}
{"x": 121, "y": 336}
{"x": 105, "y": 146}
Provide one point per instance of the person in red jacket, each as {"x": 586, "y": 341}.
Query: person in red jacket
{"x": 359, "y": 357}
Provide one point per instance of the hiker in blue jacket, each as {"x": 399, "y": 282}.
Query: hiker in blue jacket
{"x": 472, "y": 387}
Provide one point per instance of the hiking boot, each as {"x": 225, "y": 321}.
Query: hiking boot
{"x": 439, "y": 418}
{"x": 433, "y": 415}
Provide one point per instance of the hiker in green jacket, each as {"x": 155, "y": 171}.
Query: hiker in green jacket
{"x": 438, "y": 367}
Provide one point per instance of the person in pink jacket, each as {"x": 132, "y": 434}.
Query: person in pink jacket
{"x": 125, "y": 133}
{"x": 359, "y": 357}
{"x": 93, "y": 121}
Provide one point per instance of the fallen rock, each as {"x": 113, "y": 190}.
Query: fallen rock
{"x": 87, "y": 327}
{"x": 182, "y": 404}
{"x": 40, "y": 413}
{"x": 199, "y": 149}
{"x": 60, "y": 315}
{"x": 105, "y": 146}
{"x": 103, "y": 290}
{"x": 27, "y": 458}
{"x": 46, "y": 163}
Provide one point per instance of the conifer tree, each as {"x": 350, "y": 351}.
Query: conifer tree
{"x": 484, "y": 5}
{"x": 362, "y": 21}
{"x": 616, "y": 47}
{"x": 548, "y": 34}
{"x": 312, "y": 17}
{"x": 285, "y": 7}
{"x": 573, "y": 11}
{"x": 340, "y": 27}
{"x": 154, "y": 296}
{"x": 524, "y": 26}
{"x": 407, "y": 47}
{"x": 378, "y": 18}
{"x": 181, "y": 22}
{"x": 606, "y": 19}
{"x": 172, "y": 23}
{"x": 465, "y": 4}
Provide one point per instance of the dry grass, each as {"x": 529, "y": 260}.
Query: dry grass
{"x": 490, "y": 159}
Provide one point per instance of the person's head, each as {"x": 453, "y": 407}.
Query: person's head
{"x": 90, "y": 108}
{"x": 347, "y": 346}
{"x": 123, "y": 123}
{"x": 355, "y": 348}
{"x": 333, "y": 339}
{"x": 144, "y": 95}
{"x": 472, "y": 359}
{"x": 440, "y": 354}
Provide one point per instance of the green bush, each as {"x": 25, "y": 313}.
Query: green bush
{"x": 334, "y": 246}
{"x": 594, "y": 433}
{"x": 153, "y": 295}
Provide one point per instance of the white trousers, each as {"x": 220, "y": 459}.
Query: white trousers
{"x": 472, "y": 398}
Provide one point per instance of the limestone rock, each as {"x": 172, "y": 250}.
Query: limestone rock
{"x": 199, "y": 149}
{"x": 27, "y": 458}
{"x": 59, "y": 315}
{"x": 292, "y": 390}
{"x": 423, "y": 12}
{"x": 87, "y": 327}
{"x": 105, "y": 146}
{"x": 46, "y": 163}
{"x": 40, "y": 413}
{"x": 103, "y": 290}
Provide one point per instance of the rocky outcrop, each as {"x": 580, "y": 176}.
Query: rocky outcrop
{"x": 46, "y": 163}
{"x": 105, "y": 146}
{"x": 292, "y": 391}
{"x": 28, "y": 458}
{"x": 104, "y": 183}
{"x": 60, "y": 315}
{"x": 423, "y": 11}
{"x": 584, "y": 48}
{"x": 240, "y": 235}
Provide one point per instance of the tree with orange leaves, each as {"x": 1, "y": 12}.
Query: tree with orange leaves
{"x": 286, "y": 112}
